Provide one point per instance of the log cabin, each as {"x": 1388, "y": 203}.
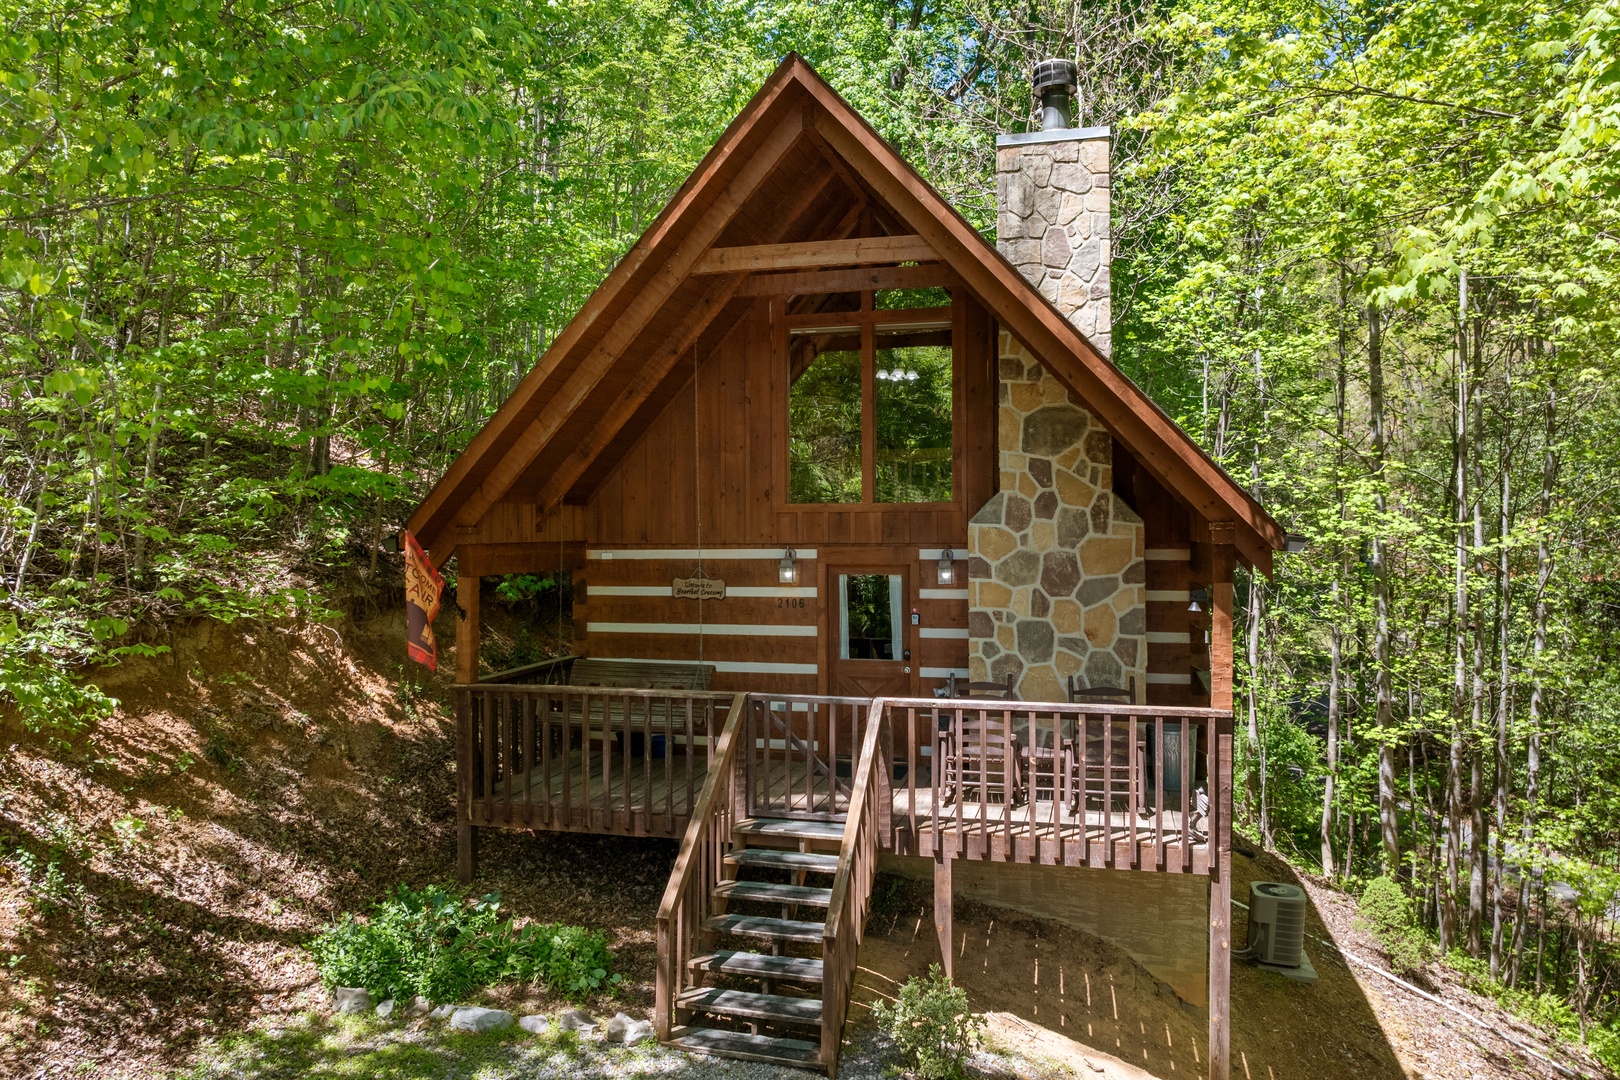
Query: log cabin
{"x": 877, "y": 558}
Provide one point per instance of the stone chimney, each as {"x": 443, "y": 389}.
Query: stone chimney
{"x": 1052, "y": 201}
{"x": 1056, "y": 572}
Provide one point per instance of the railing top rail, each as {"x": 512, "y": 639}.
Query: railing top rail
{"x": 613, "y": 691}
{"x": 529, "y": 669}
{"x": 1171, "y": 712}
{"x": 719, "y": 773}
{"x": 815, "y": 699}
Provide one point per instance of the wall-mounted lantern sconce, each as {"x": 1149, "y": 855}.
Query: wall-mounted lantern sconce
{"x": 390, "y": 543}
{"x": 1200, "y": 600}
{"x": 947, "y": 567}
{"x": 1294, "y": 543}
{"x": 787, "y": 571}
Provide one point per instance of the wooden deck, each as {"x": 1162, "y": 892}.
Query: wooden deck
{"x": 633, "y": 763}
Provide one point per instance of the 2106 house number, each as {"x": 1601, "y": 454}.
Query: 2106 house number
{"x": 790, "y": 601}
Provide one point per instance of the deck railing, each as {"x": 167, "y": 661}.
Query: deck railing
{"x": 864, "y": 829}
{"x": 688, "y": 898}
{"x": 1095, "y": 785}
{"x": 584, "y": 759}
{"x": 802, "y": 754}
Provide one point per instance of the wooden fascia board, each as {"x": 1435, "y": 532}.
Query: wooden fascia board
{"x": 676, "y": 268}
{"x": 861, "y": 251}
{"x": 426, "y": 521}
{"x": 1121, "y": 404}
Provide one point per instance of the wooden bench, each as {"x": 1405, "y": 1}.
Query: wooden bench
{"x": 641, "y": 674}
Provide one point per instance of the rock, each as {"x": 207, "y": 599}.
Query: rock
{"x": 576, "y": 1020}
{"x": 534, "y": 1025}
{"x": 628, "y": 1030}
{"x": 443, "y": 1012}
{"x": 385, "y": 1010}
{"x": 348, "y": 1000}
{"x": 473, "y": 1018}
{"x": 419, "y": 1006}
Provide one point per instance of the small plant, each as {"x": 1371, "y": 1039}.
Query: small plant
{"x": 222, "y": 750}
{"x": 127, "y": 830}
{"x": 440, "y": 944}
{"x": 47, "y": 885}
{"x": 931, "y": 1024}
{"x": 1385, "y": 912}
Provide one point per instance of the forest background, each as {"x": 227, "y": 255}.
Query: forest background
{"x": 265, "y": 268}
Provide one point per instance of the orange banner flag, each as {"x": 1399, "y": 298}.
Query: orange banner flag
{"x": 422, "y": 588}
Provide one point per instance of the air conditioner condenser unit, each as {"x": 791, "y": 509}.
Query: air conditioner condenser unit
{"x": 1277, "y": 929}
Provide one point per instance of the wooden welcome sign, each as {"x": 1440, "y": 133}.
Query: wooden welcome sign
{"x": 698, "y": 588}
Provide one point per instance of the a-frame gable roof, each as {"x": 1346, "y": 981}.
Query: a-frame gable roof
{"x": 782, "y": 171}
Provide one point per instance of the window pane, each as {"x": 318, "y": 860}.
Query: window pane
{"x": 868, "y": 616}
{"x": 824, "y": 419}
{"x": 913, "y": 406}
{"x": 892, "y": 299}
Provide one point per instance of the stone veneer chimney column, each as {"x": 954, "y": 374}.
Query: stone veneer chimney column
{"x": 1055, "y": 572}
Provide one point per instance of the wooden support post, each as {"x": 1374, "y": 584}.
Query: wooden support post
{"x": 1222, "y": 568}
{"x": 467, "y": 627}
{"x": 942, "y": 905}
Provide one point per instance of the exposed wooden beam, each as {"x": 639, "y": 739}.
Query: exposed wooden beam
{"x": 658, "y": 366}
{"x": 635, "y": 394}
{"x": 922, "y": 276}
{"x": 675, "y": 270}
{"x": 861, "y": 251}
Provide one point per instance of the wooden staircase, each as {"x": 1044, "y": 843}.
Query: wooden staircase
{"x": 765, "y": 908}
{"x": 777, "y": 953}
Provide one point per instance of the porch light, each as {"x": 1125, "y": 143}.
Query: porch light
{"x": 1200, "y": 597}
{"x": 947, "y": 567}
{"x": 787, "y": 571}
{"x": 1294, "y": 543}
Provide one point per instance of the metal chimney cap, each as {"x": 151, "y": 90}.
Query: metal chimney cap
{"x": 1053, "y": 74}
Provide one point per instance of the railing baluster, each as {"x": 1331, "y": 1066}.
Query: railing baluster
{"x": 911, "y": 780}
{"x": 1186, "y": 798}
{"x": 1158, "y": 793}
{"x": 1108, "y": 790}
{"x": 1132, "y": 761}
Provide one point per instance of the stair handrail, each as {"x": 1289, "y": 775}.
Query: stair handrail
{"x": 697, "y": 868}
{"x": 852, "y": 885}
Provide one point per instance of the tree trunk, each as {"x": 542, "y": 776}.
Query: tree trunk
{"x": 1538, "y": 647}
{"x": 1388, "y": 816}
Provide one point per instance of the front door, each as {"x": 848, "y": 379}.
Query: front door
{"x": 870, "y": 640}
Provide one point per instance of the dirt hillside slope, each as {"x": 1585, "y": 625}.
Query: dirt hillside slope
{"x": 159, "y": 883}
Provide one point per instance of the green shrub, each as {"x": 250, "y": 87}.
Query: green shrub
{"x": 931, "y": 1024}
{"x": 1385, "y": 912}
{"x": 438, "y": 943}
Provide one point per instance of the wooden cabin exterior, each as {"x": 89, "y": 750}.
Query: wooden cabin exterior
{"x": 798, "y": 583}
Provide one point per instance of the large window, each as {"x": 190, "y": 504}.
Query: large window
{"x": 871, "y": 405}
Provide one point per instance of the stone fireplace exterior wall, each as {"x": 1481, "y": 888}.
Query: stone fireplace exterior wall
{"x": 1056, "y": 572}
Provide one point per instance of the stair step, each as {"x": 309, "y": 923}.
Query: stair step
{"x": 759, "y": 966}
{"x": 711, "y": 999}
{"x": 769, "y": 893}
{"x": 784, "y": 860}
{"x": 759, "y": 926}
{"x": 740, "y": 1044}
{"x": 791, "y": 828}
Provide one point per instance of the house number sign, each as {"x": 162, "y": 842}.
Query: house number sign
{"x": 698, "y": 588}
